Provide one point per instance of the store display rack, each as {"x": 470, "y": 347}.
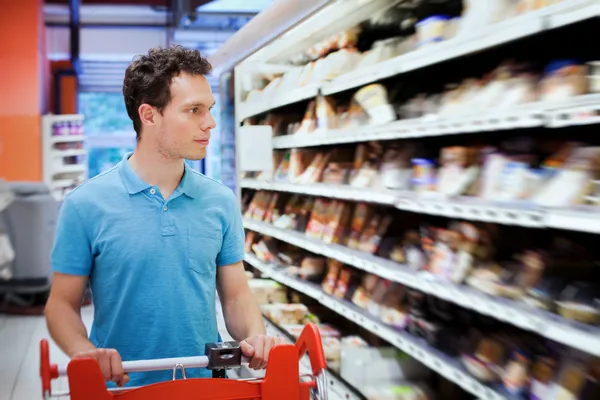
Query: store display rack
{"x": 64, "y": 156}
{"x": 552, "y": 17}
{"x": 432, "y": 358}
{"x": 277, "y": 105}
{"x": 581, "y": 110}
{"x": 583, "y": 219}
{"x": 582, "y": 337}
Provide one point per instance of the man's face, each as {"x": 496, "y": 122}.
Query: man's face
{"x": 184, "y": 129}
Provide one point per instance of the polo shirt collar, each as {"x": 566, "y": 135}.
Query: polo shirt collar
{"x": 134, "y": 184}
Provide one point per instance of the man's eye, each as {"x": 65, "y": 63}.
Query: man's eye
{"x": 194, "y": 110}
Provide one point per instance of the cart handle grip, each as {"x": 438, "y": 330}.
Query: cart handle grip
{"x": 310, "y": 342}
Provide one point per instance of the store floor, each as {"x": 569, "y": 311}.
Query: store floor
{"x": 19, "y": 354}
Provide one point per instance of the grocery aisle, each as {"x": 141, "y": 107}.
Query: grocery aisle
{"x": 422, "y": 179}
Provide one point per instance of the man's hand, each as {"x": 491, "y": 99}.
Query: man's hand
{"x": 110, "y": 364}
{"x": 257, "y": 348}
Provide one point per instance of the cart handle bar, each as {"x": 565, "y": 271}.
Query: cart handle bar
{"x": 160, "y": 364}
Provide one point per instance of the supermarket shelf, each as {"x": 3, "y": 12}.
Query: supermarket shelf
{"x": 551, "y": 326}
{"x": 64, "y": 183}
{"x": 571, "y": 11}
{"x": 321, "y": 189}
{"x": 583, "y": 219}
{"x": 580, "y": 110}
{"x": 494, "y": 35}
{"x": 69, "y": 153}
{"x": 444, "y": 365}
{"x": 70, "y": 169}
{"x": 252, "y": 108}
{"x": 337, "y": 388}
{"x": 67, "y": 139}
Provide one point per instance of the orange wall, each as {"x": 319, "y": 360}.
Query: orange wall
{"x": 22, "y": 83}
{"x": 68, "y": 89}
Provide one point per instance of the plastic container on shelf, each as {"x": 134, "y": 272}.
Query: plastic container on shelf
{"x": 432, "y": 29}
{"x": 423, "y": 174}
{"x": 563, "y": 79}
{"x": 594, "y": 83}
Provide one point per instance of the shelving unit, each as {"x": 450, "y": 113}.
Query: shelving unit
{"x": 534, "y": 120}
{"x": 64, "y": 153}
{"x": 432, "y": 358}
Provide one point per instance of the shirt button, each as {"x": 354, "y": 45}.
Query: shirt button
{"x": 165, "y": 208}
{"x": 152, "y": 191}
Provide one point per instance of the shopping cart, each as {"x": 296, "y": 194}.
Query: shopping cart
{"x": 282, "y": 379}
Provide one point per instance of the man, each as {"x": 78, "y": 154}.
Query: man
{"x": 155, "y": 238}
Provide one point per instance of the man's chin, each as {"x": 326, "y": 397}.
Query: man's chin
{"x": 195, "y": 156}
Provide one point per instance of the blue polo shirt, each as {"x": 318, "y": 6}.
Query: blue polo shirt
{"x": 151, "y": 263}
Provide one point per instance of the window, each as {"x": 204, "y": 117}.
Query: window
{"x": 108, "y": 129}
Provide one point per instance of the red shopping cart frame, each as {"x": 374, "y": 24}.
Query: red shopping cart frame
{"x": 281, "y": 381}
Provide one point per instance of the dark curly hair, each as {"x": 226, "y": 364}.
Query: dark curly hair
{"x": 148, "y": 78}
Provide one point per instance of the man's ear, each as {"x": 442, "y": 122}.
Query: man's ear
{"x": 147, "y": 114}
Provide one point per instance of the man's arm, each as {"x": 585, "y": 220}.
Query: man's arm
{"x": 72, "y": 264}
{"x": 63, "y": 314}
{"x": 243, "y": 317}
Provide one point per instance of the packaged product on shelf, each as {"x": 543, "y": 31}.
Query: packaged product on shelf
{"x": 319, "y": 218}
{"x": 327, "y": 331}
{"x": 458, "y": 172}
{"x": 362, "y": 294}
{"x": 297, "y": 165}
{"x": 580, "y": 301}
{"x": 339, "y": 217}
{"x": 376, "y": 300}
{"x": 486, "y": 363}
{"x": 285, "y": 314}
{"x": 314, "y": 171}
{"x": 271, "y": 214}
{"x": 578, "y": 379}
{"x": 393, "y": 311}
{"x": 282, "y": 170}
{"x": 344, "y": 283}
{"x": 362, "y": 214}
{"x": 563, "y": 79}
{"x": 516, "y": 375}
{"x": 325, "y": 113}
{"x": 266, "y": 291}
{"x": 337, "y": 173}
{"x": 373, "y": 233}
{"x": 543, "y": 372}
{"x": 400, "y": 391}
{"x": 432, "y": 29}
{"x": 333, "y": 273}
{"x": 572, "y": 183}
{"x": 380, "y": 366}
{"x": 309, "y": 268}
{"x": 366, "y": 165}
{"x": 309, "y": 121}
{"x": 374, "y": 100}
{"x": 423, "y": 175}
{"x": 396, "y": 169}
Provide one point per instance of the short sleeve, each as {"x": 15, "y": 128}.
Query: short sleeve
{"x": 232, "y": 249}
{"x": 72, "y": 250}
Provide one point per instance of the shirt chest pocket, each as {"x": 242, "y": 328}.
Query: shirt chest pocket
{"x": 204, "y": 246}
